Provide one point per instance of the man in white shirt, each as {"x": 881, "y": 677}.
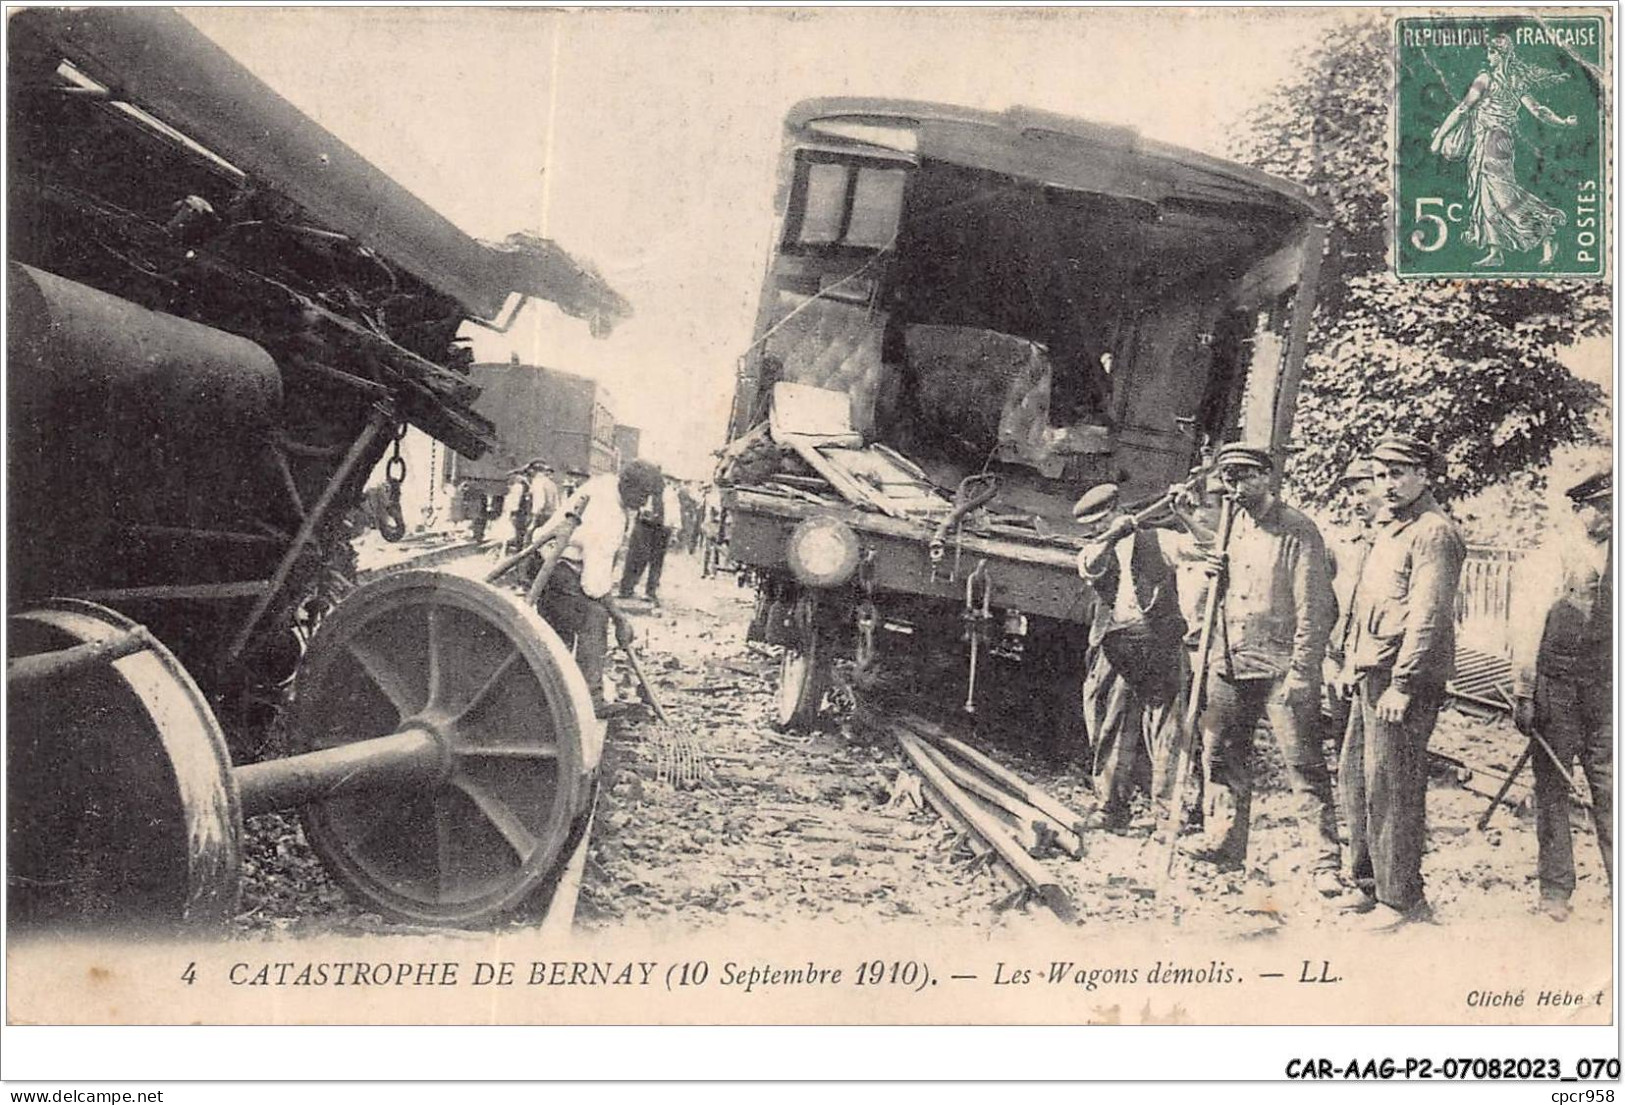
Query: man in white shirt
{"x": 545, "y": 495}
{"x": 651, "y": 535}
{"x": 577, "y": 601}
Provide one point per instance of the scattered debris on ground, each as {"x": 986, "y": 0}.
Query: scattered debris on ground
{"x": 831, "y": 826}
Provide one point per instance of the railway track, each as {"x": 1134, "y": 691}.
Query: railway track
{"x": 1003, "y": 818}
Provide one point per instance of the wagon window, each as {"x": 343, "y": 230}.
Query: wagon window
{"x": 876, "y": 205}
{"x": 841, "y": 204}
{"x": 825, "y": 205}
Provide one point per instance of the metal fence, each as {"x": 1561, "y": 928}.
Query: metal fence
{"x": 1484, "y": 598}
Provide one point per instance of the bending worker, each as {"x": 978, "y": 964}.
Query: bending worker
{"x": 577, "y": 600}
{"x": 1137, "y": 665}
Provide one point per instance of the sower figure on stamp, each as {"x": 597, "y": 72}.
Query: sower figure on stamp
{"x": 1563, "y": 684}
{"x": 1402, "y": 650}
{"x": 1483, "y": 128}
{"x": 1277, "y": 613}
{"x": 1360, "y": 482}
{"x": 1132, "y": 694}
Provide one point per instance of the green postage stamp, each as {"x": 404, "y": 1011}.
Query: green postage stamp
{"x": 1499, "y": 158}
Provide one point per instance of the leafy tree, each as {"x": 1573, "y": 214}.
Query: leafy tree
{"x": 1470, "y": 365}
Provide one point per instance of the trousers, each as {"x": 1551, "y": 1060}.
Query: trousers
{"x": 580, "y": 621}
{"x": 1133, "y": 726}
{"x": 645, "y": 549}
{"x": 1575, "y": 717}
{"x": 1233, "y": 712}
{"x": 1351, "y": 787}
{"x": 1392, "y": 820}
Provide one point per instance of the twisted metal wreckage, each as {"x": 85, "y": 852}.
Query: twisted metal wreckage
{"x": 221, "y": 317}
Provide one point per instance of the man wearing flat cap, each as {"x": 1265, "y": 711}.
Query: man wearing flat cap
{"x": 1359, "y": 482}
{"x": 1401, "y": 650}
{"x": 1563, "y": 683}
{"x": 545, "y": 495}
{"x": 1277, "y": 613}
{"x": 1137, "y": 656}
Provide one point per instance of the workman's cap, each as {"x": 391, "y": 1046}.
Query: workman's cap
{"x": 1597, "y": 486}
{"x": 579, "y": 473}
{"x": 1360, "y": 468}
{"x": 1097, "y": 504}
{"x": 1404, "y": 449}
{"x": 538, "y": 463}
{"x": 1238, "y": 455}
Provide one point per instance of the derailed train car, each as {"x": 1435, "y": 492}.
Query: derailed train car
{"x": 969, "y": 319}
{"x": 221, "y": 317}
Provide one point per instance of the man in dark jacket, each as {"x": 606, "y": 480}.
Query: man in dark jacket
{"x": 1136, "y": 652}
{"x": 1563, "y": 684}
{"x": 1402, "y": 648}
{"x": 1277, "y": 612}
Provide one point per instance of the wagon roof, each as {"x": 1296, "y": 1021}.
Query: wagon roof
{"x": 1055, "y": 150}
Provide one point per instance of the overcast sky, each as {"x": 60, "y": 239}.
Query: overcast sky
{"x": 646, "y": 142}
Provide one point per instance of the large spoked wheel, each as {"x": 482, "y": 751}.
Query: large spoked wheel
{"x": 490, "y": 679}
{"x": 803, "y": 679}
{"x": 120, "y": 806}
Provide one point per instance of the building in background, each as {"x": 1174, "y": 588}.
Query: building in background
{"x": 562, "y": 418}
{"x": 627, "y": 441}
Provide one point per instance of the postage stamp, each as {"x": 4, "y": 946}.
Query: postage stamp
{"x": 1498, "y": 146}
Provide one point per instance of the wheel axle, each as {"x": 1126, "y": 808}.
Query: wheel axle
{"x": 413, "y": 759}
{"x": 452, "y": 755}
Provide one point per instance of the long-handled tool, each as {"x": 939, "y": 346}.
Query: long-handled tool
{"x": 1506, "y": 785}
{"x": 561, "y": 525}
{"x": 1198, "y": 691}
{"x": 679, "y": 759}
{"x": 1574, "y": 791}
{"x": 572, "y": 519}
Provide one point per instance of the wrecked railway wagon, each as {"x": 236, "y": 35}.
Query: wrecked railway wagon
{"x": 220, "y": 319}
{"x": 970, "y": 318}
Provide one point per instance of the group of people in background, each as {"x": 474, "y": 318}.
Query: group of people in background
{"x": 1367, "y": 667}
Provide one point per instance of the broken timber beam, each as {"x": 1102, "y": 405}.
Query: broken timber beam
{"x": 1015, "y": 784}
{"x": 1042, "y": 883}
{"x": 1039, "y": 828}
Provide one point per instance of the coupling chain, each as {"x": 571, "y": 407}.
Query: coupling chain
{"x": 391, "y": 522}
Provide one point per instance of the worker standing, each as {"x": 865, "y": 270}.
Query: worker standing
{"x": 1339, "y": 717}
{"x": 1563, "y": 684}
{"x": 545, "y": 494}
{"x": 1402, "y": 650}
{"x": 651, "y": 534}
{"x": 1277, "y": 613}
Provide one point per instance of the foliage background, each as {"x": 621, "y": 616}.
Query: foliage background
{"x": 1472, "y": 366}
